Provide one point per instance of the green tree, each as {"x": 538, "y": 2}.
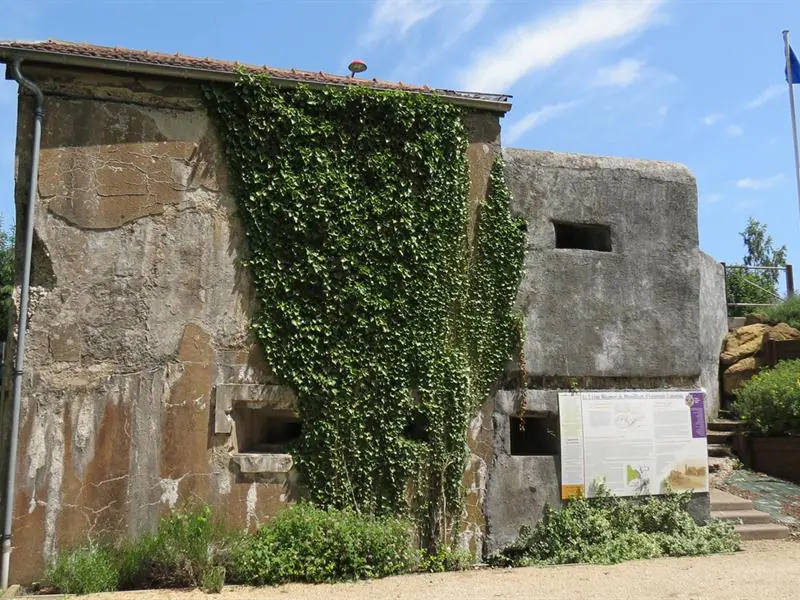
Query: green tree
{"x": 755, "y": 287}
{"x": 7, "y": 241}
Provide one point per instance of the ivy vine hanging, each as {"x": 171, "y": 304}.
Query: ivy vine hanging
{"x": 372, "y": 304}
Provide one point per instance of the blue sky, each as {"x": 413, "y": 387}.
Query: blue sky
{"x": 699, "y": 82}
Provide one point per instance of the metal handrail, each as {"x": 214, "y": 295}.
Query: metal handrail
{"x": 787, "y": 269}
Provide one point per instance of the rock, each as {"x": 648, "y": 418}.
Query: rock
{"x": 743, "y": 342}
{"x": 736, "y": 375}
{"x": 781, "y": 332}
{"x": 742, "y": 346}
{"x": 749, "y": 364}
{"x": 756, "y": 318}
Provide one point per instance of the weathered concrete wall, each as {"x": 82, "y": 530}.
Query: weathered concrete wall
{"x": 139, "y": 311}
{"x": 631, "y": 312}
{"x": 624, "y": 319}
{"x": 713, "y": 328}
{"x": 483, "y": 131}
{"x": 138, "y": 343}
{"x": 519, "y": 487}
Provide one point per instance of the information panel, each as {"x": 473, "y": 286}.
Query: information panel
{"x": 642, "y": 442}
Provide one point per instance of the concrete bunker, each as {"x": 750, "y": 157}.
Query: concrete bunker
{"x": 171, "y": 393}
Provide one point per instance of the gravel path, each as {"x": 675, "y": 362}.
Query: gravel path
{"x": 768, "y": 570}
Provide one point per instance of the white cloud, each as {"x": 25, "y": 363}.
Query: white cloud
{"x": 543, "y": 42}
{"x": 734, "y": 130}
{"x": 476, "y": 9}
{"x": 459, "y": 21}
{"x": 768, "y": 94}
{"x": 713, "y": 118}
{"x": 393, "y": 19}
{"x": 759, "y": 184}
{"x": 711, "y": 198}
{"x": 531, "y": 120}
{"x": 624, "y": 73}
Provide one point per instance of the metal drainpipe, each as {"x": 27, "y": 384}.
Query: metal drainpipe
{"x": 23, "y": 321}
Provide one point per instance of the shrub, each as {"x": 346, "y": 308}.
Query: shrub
{"x": 177, "y": 555}
{"x": 447, "y": 559}
{"x": 83, "y": 571}
{"x": 787, "y": 312}
{"x": 769, "y": 403}
{"x": 304, "y": 543}
{"x": 213, "y": 580}
{"x": 609, "y": 530}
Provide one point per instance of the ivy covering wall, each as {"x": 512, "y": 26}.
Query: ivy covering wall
{"x": 373, "y": 306}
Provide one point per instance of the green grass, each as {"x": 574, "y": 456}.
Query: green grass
{"x": 787, "y": 312}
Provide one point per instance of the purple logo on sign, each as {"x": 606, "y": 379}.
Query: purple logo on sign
{"x": 697, "y": 411}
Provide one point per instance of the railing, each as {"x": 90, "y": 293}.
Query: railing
{"x": 789, "y": 278}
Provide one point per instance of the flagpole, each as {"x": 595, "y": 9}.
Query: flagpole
{"x": 794, "y": 114}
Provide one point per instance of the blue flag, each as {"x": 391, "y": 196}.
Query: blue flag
{"x": 795, "y": 64}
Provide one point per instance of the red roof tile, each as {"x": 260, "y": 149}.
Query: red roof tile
{"x": 128, "y": 60}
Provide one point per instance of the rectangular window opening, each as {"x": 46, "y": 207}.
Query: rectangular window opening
{"x": 580, "y": 236}
{"x": 540, "y": 436}
{"x": 265, "y": 430}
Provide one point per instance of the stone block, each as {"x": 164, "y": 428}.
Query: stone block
{"x": 263, "y": 463}
{"x": 743, "y": 342}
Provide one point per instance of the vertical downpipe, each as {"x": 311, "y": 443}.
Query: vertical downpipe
{"x": 8, "y": 497}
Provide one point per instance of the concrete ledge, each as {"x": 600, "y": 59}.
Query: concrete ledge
{"x": 263, "y": 463}
{"x": 735, "y": 323}
{"x": 539, "y": 401}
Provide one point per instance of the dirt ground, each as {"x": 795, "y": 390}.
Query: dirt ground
{"x": 768, "y": 570}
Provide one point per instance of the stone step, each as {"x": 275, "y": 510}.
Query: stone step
{"x": 723, "y": 425}
{"x": 762, "y": 531}
{"x": 719, "y": 450}
{"x": 746, "y": 517}
{"x": 720, "y": 437}
{"x": 724, "y": 501}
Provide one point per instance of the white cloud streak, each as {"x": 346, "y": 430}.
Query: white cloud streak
{"x": 768, "y": 94}
{"x": 531, "y": 120}
{"x": 712, "y": 119}
{"x": 734, "y": 130}
{"x": 543, "y": 42}
{"x": 759, "y": 184}
{"x": 624, "y": 73}
{"x": 393, "y": 19}
{"x": 459, "y": 22}
{"x": 712, "y": 198}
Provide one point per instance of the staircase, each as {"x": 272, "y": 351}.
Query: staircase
{"x": 751, "y": 524}
{"x": 720, "y": 437}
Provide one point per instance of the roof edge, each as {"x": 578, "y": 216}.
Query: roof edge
{"x": 7, "y": 54}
